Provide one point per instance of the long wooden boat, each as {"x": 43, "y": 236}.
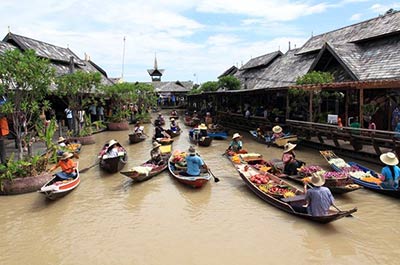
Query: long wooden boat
{"x": 164, "y": 141}
{"x": 370, "y": 185}
{"x": 136, "y": 138}
{"x": 290, "y": 205}
{"x": 194, "y": 181}
{"x": 114, "y": 164}
{"x": 58, "y": 187}
{"x": 138, "y": 174}
{"x": 173, "y": 133}
{"x": 203, "y": 141}
{"x": 280, "y": 142}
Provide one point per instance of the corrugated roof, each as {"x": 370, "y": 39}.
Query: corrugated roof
{"x": 373, "y": 28}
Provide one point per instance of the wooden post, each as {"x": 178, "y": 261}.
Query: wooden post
{"x": 361, "y": 114}
{"x": 346, "y": 109}
{"x": 287, "y": 105}
{"x": 310, "y": 106}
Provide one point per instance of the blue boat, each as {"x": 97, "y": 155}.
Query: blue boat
{"x": 218, "y": 135}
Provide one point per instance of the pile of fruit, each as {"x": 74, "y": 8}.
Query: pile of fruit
{"x": 179, "y": 158}
{"x": 74, "y": 147}
{"x": 236, "y": 159}
{"x": 259, "y": 179}
{"x": 276, "y": 190}
{"x": 308, "y": 170}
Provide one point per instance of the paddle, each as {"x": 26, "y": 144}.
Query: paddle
{"x": 89, "y": 167}
{"x": 209, "y": 171}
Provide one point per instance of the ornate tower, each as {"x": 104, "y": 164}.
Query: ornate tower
{"x": 155, "y": 73}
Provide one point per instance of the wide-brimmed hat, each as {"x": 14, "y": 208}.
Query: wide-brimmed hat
{"x": 289, "y": 147}
{"x": 208, "y": 114}
{"x": 156, "y": 145}
{"x": 317, "y": 180}
{"x": 389, "y": 159}
{"x": 202, "y": 126}
{"x": 192, "y": 150}
{"x": 236, "y": 135}
{"x": 277, "y": 129}
{"x": 66, "y": 155}
{"x": 112, "y": 142}
{"x": 61, "y": 139}
{"x": 172, "y": 119}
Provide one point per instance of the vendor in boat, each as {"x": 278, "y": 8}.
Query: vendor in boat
{"x": 318, "y": 199}
{"x": 138, "y": 129}
{"x": 114, "y": 148}
{"x": 159, "y": 131}
{"x": 194, "y": 164}
{"x": 62, "y": 145}
{"x": 155, "y": 154}
{"x": 208, "y": 120}
{"x": 67, "y": 165}
{"x": 291, "y": 164}
{"x": 277, "y": 133}
{"x": 174, "y": 113}
{"x": 390, "y": 172}
{"x": 236, "y": 145}
{"x": 160, "y": 118}
{"x": 174, "y": 125}
{"x": 260, "y": 133}
{"x": 202, "y": 131}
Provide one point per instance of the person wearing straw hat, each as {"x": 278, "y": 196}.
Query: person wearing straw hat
{"x": 67, "y": 165}
{"x": 319, "y": 199}
{"x": 155, "y": 154}
{"x": 390, "y": 172}
{"x": 174, "y": 125}
{"x": 194, "y": 163}
{"x": 236, "y": 144}
{"x": 277, "y": 132}
{"x": 138, "y": 129}
{"x": 113, "y": 149}
{"x": 291, "y": 164}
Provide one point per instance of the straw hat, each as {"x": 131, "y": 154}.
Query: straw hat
{"x": 66, "y": 155}
{"x": 156, "y": 145}
{"x": 317, "y": 180}
{"x": 112, "y": 142}
{"x": 389, "y": 159}
{"x": 208, "y": 114}
{"x": 61, "y": 139}
{"x": 172, "y": 119}
{"x": 202, "y": 126}
{"x": 277, "y": 129}
{"x": 289, "y": 147}
{"x": 192, "y": 150}
{"x": 236, "y": 135}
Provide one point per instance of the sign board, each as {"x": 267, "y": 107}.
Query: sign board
{"x": 332, "y": 119}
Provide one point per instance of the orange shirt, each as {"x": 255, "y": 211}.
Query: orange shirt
{"x": 4, "y": 126}
{"x": 67, "y": 165}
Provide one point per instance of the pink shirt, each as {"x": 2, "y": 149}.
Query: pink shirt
{"x": 287, "y": 157}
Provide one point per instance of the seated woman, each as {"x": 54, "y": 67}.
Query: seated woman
{"x": 114, "y": 149}
{"x": 138, "y": 129}
{"x": 174, "y": 113}
{"x": 390, "y": 172}
{"x": 159, "y": 131}
{"x": 156, "y": 155}
{"x": 277, "y": 133}
{"x": 291, "y": 164}
{"x": 68, "y": 167}
{"x": 260, "y": 133}
{"x": 236, "y": 144}
{"x": 203, "y": 131}
{"x": 174, "y": 125}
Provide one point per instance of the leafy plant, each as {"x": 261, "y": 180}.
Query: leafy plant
{"x": 315, "y": 77}
{"x": 229, "y": 83}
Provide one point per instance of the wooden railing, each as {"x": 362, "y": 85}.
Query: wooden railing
{"x": 356, "y": 136}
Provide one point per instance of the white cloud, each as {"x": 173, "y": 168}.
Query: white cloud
{"x": 381, "y": 9}
{"x": 356, "y": 17}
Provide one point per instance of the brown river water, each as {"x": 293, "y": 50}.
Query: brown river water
{"x": 110, "y": 220}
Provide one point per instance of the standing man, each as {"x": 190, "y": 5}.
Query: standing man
{"x": 100, "y": 113}
{"x": 68, "y": 113}
{"x": 93, "y": 112}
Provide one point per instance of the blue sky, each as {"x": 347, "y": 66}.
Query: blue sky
{"x": 194, "y": 39}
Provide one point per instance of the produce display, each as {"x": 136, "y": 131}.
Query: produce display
{"x": 270, "y": 187}
{"x": 179, "y": 158}
{"x": 338, "y": 162}
{"x": 73, "y": 147}
{"x": 236, "y": 159}
{"x": 308, "y": 170}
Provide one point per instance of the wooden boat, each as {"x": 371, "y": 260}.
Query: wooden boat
{"x": 137, "y": 176}
{"x": 58, "y": 187}
{"x": 290, "y": 205}
{"x": 114, "y": 164}
{"x": 173, "y": 133}
{"x": 280, "y": 142}
{"x": 202, "y": 141}
{"x": 136, "y": 138}
{"x": 371, "y": 185}
{"x": 194, "y": 182}
{"x": 218, "y": 135}
{"x": 164, "y": 141}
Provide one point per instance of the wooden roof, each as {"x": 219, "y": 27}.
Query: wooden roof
{"x": 261, "y": 61}
{"x": 172, "y": 87}
{"x": 231, "y": 71}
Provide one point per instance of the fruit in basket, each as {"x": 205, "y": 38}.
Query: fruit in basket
{"x": 289, "y": 194}
{"x": 259, "y": 179}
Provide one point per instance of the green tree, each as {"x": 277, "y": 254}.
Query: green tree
{"x": 209, "y": 86}
{"x": 77, "y": 88}
{"x": 229, "y": 83}
{"x": 315, "y": 77}
{"x": 25, "y": 80}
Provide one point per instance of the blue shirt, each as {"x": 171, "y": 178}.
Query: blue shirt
{"x": 389, "y": 181}
{"x": 236, "y": 145}
{"x": 320, "y": 199}
{"x": 193, "y": 165}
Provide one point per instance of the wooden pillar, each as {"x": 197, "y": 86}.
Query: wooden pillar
{"x": 310, "y": 106}
{"x": 287, "y": 105}
{"x": 346, "y": 109}
{"x": 361, "y": 113}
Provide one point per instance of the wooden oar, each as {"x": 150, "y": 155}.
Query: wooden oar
{"x": 209, "y": 171}
{"x": 89, "y": 167}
